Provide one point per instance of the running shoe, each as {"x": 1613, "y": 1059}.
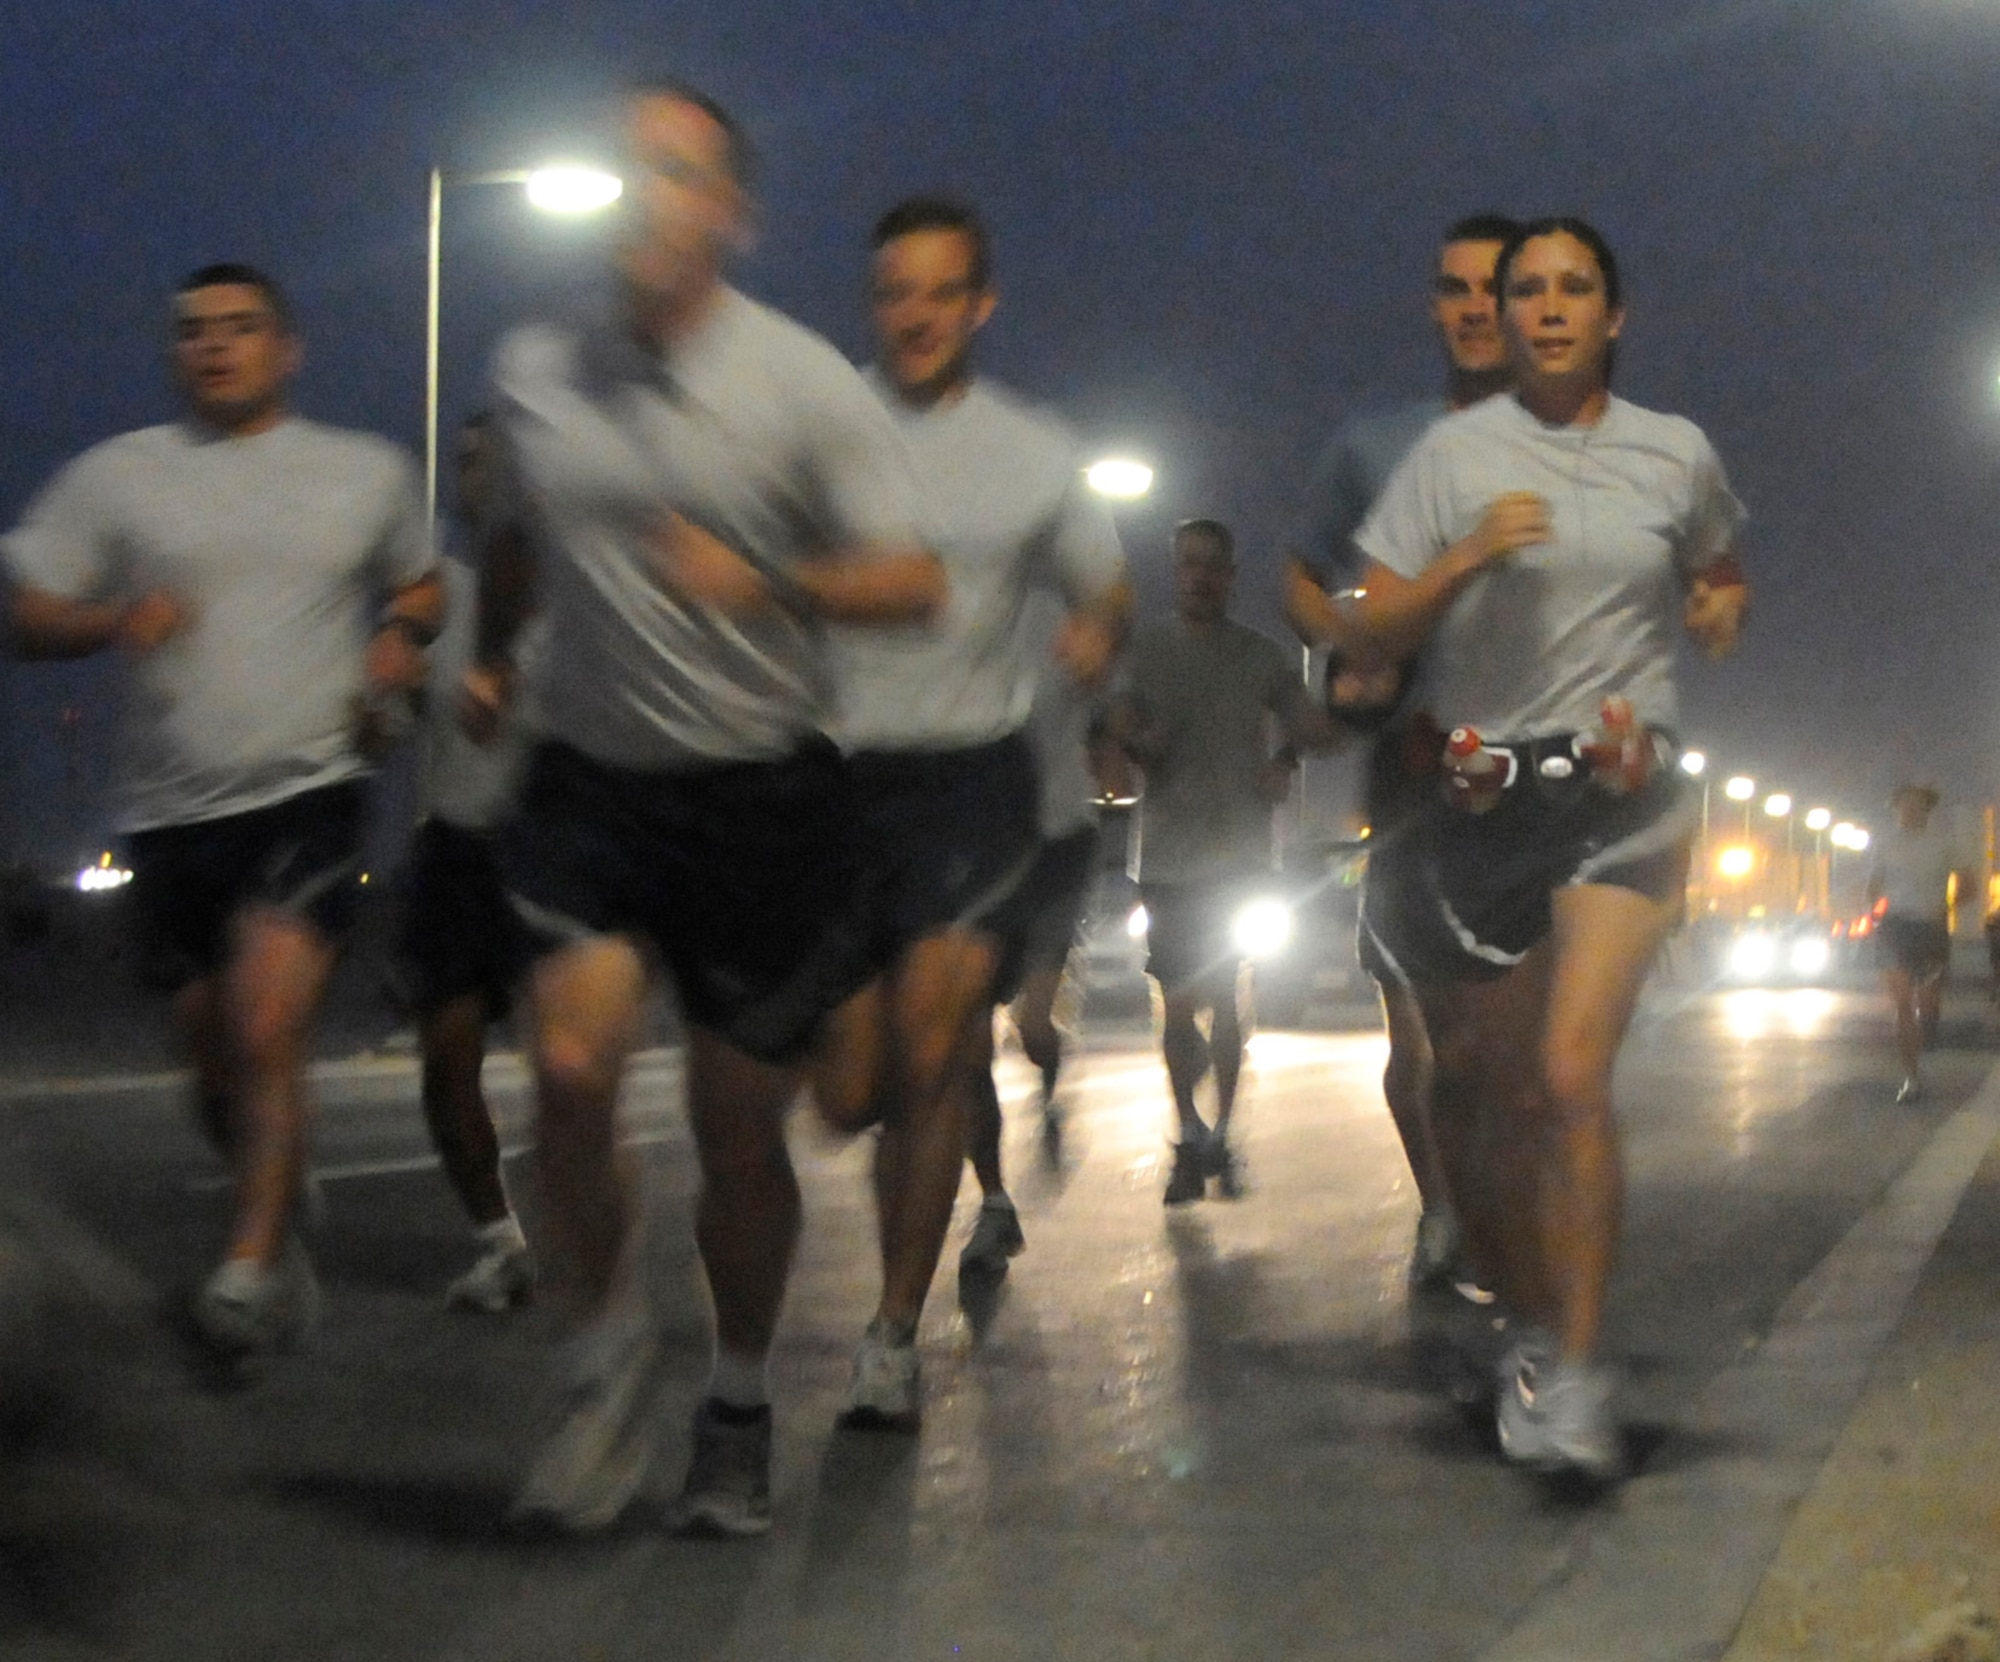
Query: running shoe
{"x": 246, "y": 1309}
{"x": 1554, "y": 1415}
{"x": 502, "y": 1277}
{"x": 1218, "y": 1160}
{"x": 1189, "y": 1179}
{"x": 886, "y": 1394}
{"x": 728, "y": 1488}
{"x": 1910, "y": 1092}
{"x": 1434, "y": 1258}
{"x": 597, "y": 1454}
{"x": 996, "y": 1237}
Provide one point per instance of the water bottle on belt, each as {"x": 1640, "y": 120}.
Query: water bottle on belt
{"x": 1474, "y": 776}
{"x": 1619, "y": 752}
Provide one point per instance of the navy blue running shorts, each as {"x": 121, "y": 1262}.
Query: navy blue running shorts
{"x": 743, "y": 877}
{"x": 301, "y": 856}
{"x": 1039, "y": 922}
{"x": 1470, "y": 895}
{"x": 460, "y": 936}
{"x": 947, "y": 837}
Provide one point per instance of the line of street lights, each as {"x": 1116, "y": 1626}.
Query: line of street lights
{"x": 1736, "y": 862}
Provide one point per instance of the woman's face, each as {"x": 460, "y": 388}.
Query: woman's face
{"x": 1559, "y": 323}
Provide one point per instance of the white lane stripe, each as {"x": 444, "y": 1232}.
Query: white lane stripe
{"x": 1669, "y": 1578}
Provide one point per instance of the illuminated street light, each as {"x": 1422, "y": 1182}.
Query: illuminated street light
{"x": 1120, "y": 478}
{"x": 1818, "y": 819}
{"x": 1736, "y": 862}
{"x": 569, "y": 191}
{"x": 572, "y": 190}
{"x": 1693, "y": 763}
{"x": 1740, "y": 789}
{"x": 1777, "y": 805}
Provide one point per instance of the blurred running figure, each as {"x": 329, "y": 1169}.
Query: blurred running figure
{"x": 1542, "y": 549}
{"x": 460, "y": 947}
{"x": 1038, "y": 927}
{"x": 934, "y": 719}
{"x": 703, "y": 484}
{"x": 1912, "y": 871}
{"x": 1201, "y": 703}
{"x": 270, "y": 581}
{"x": 1322, "y": 556}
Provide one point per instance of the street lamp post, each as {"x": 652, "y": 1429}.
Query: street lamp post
{"x": 1779, "y": 806}
{"x": 1695, "y": 765}
{"x": 1817, "y": 821}
{"x": 557, "y": 190}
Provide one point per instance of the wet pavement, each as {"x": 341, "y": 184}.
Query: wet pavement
{"x": 1192, "y": 1434}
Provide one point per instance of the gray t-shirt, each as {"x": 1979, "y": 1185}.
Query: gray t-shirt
{"x": 1912, "y": 869}
{"x": 1004, "y": 505}
{"x": 1350, "y": 475}
{"x": 753, "y": 428}
{"x": 466, "y": 784}
{"x": 1206, "y": 699}
{"x": 1538, "y": 640}
{"x": 282, "y": 545}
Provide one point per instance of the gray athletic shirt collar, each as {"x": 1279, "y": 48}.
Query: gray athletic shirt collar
{"x": 1004, "y": 505}
{"x": 283, "y": 544}
{"x": 1538, "y": 639}
{"x": 754, "y": 428}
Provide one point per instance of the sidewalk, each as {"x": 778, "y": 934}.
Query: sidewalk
{"x": 1894, "y": 1554}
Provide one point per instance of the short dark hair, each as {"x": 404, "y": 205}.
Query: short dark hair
{"x": 939, "y": 213}
{"x": 1563, "y": 225}
{"x": 740, "y": 153}
{"x": 1482, "y": 228}
{"x": 235, "y": 274}
{"x": 1218, "y": 535}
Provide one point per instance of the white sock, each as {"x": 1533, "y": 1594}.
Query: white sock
{"x": 740, "y": 1381}
{"x": 502, "y": 1233}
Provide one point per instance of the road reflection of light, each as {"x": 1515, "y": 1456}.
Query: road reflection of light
{"x": 1334, "y": 1050}
{"x": 1752, "y": 1013}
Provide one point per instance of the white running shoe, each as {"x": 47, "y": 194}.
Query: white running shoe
{"x": 598, "y": 1453}
{"x": 502, "y": 1277}
{"x": 1554, "y": 1415}
{"x": 995, "y": 1238}
{"x": 245, "y": 1309}
{"x": 886, "y": 1394}
{"x": 1911, "y": 1091}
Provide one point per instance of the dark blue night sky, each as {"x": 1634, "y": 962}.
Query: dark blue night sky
{"x": 1214, "y": 223}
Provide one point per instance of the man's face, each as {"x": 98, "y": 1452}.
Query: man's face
{"x": 1203, "y": 576}
{"x": 1466, "y": 309}
{"x": 928, "y": 306}
{"x": 683, "y": 210}
{"x": 232, "y": 354}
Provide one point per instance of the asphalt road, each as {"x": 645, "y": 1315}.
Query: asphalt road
{"x": 1189, "y": 1435}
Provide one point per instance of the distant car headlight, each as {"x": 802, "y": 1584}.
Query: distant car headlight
{"x": 1263, "y": 928}
{"x": 1811, "y": 956}
{"x": 1752, "y": 957}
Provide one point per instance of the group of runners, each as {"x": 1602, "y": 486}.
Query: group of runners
{"x": 777, "y": 680}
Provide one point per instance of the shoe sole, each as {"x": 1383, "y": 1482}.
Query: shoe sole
{"x": 702, "y": 1521}
{"x": 881, "y": 1421}
{"x": 514, "y": 1298}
